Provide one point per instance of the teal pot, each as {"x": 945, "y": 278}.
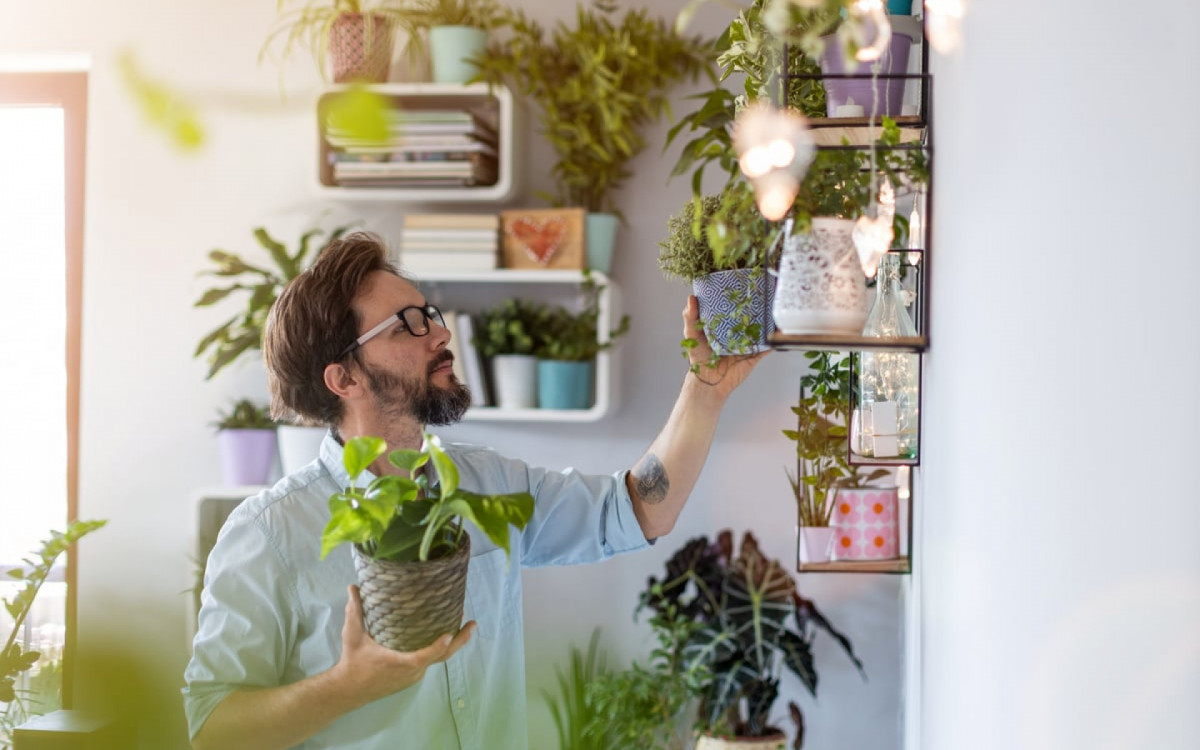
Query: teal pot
{"x": 246, "y": 456}
{"x": 899, "y": 7}
{"x": 601, "y": 238}
{"x": 449, "y": 49}
{"x": 564, "y": 385}
{"x": 731, "y": 302}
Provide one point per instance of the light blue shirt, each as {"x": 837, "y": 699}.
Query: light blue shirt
{"x": 272, "y": 611}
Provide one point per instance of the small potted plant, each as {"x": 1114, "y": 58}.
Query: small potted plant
{"x": 597, "y": 85}
{"x": 725, "y": 250}
{"x": 410, "y": 548}
{"x": 754, "y": 627}
{"x": 246, "y": 440}
{"x": 568, "y": 343}
{"x": 822, "y": 448}
{"x": 457, "y": 33}
{"x": 356, "y": 36}
{"x": 507, "y": 336}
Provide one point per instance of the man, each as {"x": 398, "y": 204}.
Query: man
{"x": 281, "y": 657}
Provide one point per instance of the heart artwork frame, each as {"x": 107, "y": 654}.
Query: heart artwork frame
{"x": 543, "y": 238}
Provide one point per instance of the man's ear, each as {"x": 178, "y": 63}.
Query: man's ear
{"x": 341, "y": 381}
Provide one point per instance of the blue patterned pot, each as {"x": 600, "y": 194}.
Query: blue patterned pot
{"x": 718, "y": 294}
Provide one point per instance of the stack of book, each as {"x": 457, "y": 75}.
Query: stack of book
{"x": 468, "y": 363}
{"x": 423, "y": 148}
{"x": 450, "y": 242}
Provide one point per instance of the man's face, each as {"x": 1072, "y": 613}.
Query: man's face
{"x": 409, "y": 376}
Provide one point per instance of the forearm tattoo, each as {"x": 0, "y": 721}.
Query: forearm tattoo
{"x": 652, "y": 483}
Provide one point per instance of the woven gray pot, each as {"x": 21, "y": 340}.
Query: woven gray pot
{"x": 408, "y": 605}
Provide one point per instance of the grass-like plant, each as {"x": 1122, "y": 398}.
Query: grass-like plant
{"x": 308, "y": 26}
{"x": 822, "y": 439}
{"x": 403, "y": 518}
{"x": 597, "y": 84}
{"x": 570, "y": 708}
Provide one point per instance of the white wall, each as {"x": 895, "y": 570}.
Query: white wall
{"x": 1060, "y": 574}
{"x": 147, "y": 449}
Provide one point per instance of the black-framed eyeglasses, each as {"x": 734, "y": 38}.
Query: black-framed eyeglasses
{"x": 414, "y": 318}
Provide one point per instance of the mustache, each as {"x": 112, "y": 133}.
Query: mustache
{"x": 441, "y": 359}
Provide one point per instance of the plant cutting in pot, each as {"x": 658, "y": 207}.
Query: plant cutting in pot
{"x": 568, "y": 343}
{"x": 246, "y": 439}
{"x": 754, "y": 627}
{"x": 410, "y": 547}
{"x": 597, "y": 85}
{"x": 822, "y": 439}
{"x": 507, "y": 336}
{"x": 16, "y": 659}
{"x": 355, "y": 36}
{"x": 724, "y": 249}
{"x": 244, "y": 331}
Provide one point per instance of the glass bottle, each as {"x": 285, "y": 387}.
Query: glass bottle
{"x": 888, "y": 381}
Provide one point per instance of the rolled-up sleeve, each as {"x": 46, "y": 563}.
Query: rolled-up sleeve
{"x": 246, "y": 618}
{"x": 579, "y": 518}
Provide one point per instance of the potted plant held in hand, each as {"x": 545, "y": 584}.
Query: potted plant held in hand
{"x": 724, "y": 249}
{"x": 598, "y": 84}
{"x": 506, "y": 335}
{"x": 753, "y": 627}
{"x": 568, "y": 344}
{"x": 246, "y": 440}
{"x": 410, "y": 548}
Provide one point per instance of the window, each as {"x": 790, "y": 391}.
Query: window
{"x": 41, "y": 223}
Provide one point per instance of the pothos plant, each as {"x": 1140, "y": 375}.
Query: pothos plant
{"x": 15, "y": 660}
{"x": 405, "y": 519}
{"x": 822, "y": 439}
{"x": 753, "y": 625}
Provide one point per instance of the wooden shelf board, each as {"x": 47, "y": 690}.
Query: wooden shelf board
{"x": 896, "y": 565}
{"x": 859, "y": 131}
{"x": 843, "y": 342}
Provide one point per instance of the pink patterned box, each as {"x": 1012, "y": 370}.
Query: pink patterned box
{"x": 867, "y": 524}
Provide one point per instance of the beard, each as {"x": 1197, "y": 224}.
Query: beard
{"x": 417, "y": 397}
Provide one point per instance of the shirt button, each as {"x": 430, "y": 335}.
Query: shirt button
{"x": 462, "y": 703}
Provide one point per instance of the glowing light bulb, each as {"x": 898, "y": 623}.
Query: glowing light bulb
{"x": 943, "y": 24}
{"x": 774, "y": 150}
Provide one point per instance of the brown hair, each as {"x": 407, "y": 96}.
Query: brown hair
{"x": 312, "y": 322}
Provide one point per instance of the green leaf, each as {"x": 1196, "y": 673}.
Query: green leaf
{"x": 493, "y": 514}
{"x": 408, "y": 460}
{"x": 399, "y": 543}
{"x": 447, "y": 471}
{"x": 360, "y": 453}
{"x": 346, "y": 524}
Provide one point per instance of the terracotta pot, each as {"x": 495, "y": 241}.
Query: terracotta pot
{"x": 354, "y": 55}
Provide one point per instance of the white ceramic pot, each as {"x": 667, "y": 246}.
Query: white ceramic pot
{"x": 773, "y": 742}
{"x": 514, "y": 378}
{"x": 821, "y": 287}
{"x": 298, "y": 446}
{"x": 816, "y": 543}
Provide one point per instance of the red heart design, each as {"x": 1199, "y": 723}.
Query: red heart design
{"x": 540, "y": 238}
